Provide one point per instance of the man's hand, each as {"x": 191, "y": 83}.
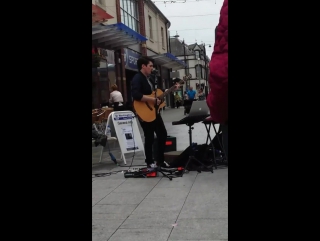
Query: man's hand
{"x": 157, "y": 101}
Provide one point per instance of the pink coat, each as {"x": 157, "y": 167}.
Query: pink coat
{"x": 218, "y": 79}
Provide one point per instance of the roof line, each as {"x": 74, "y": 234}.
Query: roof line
{"x": 154, "y": 6}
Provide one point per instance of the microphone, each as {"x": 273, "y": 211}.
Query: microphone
{"x": 154, "y": 71}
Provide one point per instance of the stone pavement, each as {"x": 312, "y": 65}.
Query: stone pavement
{"x": 192, "y": 207}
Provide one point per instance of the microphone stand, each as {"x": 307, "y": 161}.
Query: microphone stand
{"x": 155, "y": 92}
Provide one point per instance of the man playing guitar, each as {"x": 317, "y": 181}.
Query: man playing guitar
{"x": 141, "y": 87}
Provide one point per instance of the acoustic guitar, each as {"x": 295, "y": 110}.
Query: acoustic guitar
{"x": 147, "y": 110}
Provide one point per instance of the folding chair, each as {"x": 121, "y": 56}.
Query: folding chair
{"x": 208, "y": 122}
{"x": 99, "y": 121}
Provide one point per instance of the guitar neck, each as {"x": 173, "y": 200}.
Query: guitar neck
{"x": 173, "y": 87}
{"x": 166, "y": 93}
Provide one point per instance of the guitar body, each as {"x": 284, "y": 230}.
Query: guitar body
{"x": 147, "y": 110}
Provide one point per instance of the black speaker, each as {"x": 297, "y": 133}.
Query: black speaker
{"x": 171, "y": 145}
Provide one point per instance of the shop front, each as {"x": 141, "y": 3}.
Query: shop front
{"x": 113, "y": 37}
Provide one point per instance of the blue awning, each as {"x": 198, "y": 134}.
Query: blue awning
{"x": 115, "y": 36}
{"x": 169, "y": 61}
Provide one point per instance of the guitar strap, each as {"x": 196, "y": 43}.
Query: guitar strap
{"x": 151, "y": 86}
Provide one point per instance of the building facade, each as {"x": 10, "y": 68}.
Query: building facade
{"x": 137, "y": 28}
{"x": 194, "y": 55}
{"x": 99, "y": 60}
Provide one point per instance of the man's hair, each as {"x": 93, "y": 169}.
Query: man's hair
{"x": 144, "y": 60}
{"x": 114, "y": 87}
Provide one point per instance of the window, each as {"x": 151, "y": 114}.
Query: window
{"x": 162, "y": 37}
{"x": 150, "y": 27}
{"x": 129, "y": 14}
{"x": 198, "y": 71}
{"x": 197, "y": 55}
{"x": 201, "y": 54}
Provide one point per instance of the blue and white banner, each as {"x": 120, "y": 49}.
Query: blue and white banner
{"x": 123, "y": 117}
{"x": 130, "y": 59}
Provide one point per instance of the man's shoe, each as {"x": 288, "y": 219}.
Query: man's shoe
{"x": 163, "y": 165}
{"x": 151, "y": 167}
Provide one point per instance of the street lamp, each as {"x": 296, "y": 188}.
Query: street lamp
{"x": 206, "y": 67}
{"x": 199, "y": 71}
{"x": 185, "y": 61}
{"x": 170, "y": 70}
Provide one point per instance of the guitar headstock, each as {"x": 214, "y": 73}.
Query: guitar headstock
{"x": 181, "y": 82}
{"x": 187, "y": 77}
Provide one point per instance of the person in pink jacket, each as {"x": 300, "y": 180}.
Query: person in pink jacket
{"x": 217, "y": 99}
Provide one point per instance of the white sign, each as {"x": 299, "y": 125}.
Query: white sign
{"x": 124, "y": 125}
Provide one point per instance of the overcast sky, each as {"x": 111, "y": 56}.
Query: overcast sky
{"x": 192, "y": 28}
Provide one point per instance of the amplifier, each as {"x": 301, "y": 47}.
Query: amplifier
{"x": 171, "y": 145}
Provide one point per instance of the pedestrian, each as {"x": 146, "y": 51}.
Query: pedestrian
{"x": 185, "y": 96}
{"x": 177, "y": 100}
{"x": 201, "y": 95}
{"x": 191, "y": 93}
{"x": 116, "y": 99}
{"x": 217, "y": 98}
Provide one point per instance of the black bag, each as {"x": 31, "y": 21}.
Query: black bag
{"x": 101, "y": 140}
{"x": 200, "y": 153}
{"x": 94, "y": 134}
